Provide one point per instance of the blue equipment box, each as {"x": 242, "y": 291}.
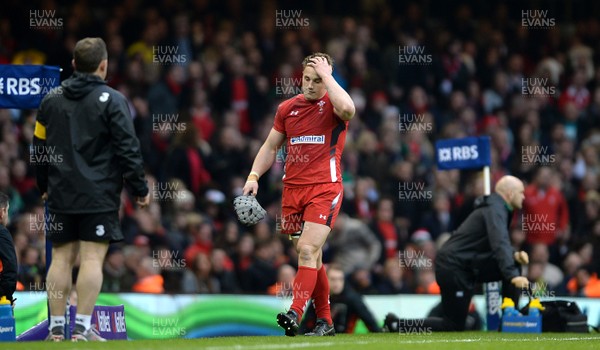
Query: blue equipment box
{"x": 7, "y": 329}
{"x": 522, "y": 324}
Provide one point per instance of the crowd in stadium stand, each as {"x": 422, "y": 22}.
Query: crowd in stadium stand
{"x": 204, "y": 80}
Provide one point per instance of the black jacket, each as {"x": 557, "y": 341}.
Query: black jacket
{"x": 89, "y": 148}
{"x": 8, "y": 258}
{"x": 481, "y": 247}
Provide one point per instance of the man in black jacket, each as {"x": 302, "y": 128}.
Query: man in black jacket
{"x": 85, "y": 147}
{"x": 8, "y": 257}
{"x": 478, "y": 251}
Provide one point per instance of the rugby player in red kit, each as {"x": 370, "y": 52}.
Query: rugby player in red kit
{"x": 313, "y": 126}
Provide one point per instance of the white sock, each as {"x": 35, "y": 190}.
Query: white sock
{"x": 56, "y": 321}
{"x": 83, "y": 320}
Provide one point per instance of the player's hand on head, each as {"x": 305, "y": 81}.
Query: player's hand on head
{"x": 320, "y": 65}
{"x": 143, "y": 202}
{"x": 250, "y": 188}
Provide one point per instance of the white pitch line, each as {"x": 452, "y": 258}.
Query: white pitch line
{"x": 285, "y": 346}
{"x": 491, "y": 340}
{"x": 423, "y": 341}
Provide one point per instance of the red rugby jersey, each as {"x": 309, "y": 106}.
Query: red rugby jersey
{"x": 315, "y": 140}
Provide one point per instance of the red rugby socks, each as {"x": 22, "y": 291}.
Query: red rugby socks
{"x": 304, "y": 285}
{"x": 320, "y": 296}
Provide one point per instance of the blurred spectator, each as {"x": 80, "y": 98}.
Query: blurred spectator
{"x": 242, "y": 257}
{"x": 201, "y": 280}
{"x": 440, "y": 220}
{"x": 16, "y": 202}
{"x": 165, "y": 99}
{"x": 201, "y": 233}
{"x": 392, "y": 281}
{"x": 386, "y": 230}
{"x": 545, "y": 211}
{"x": 370, "y": 158}
{"x": 426, "y": 283}
{"x": 149, "y": 279}
{"x": 117, "y": 278}
{"x": 576, "y": 93}
{"x": 361, "y": 280}
{"x": 354, "y": 244}
{"x": 362, "y": 204}
{"x": 229, "y": 237}
{"x": 172, "y": 265}
{"x": 222, "y": 270}
{"x": 589, "y": 215}
{"x": 283, "y": 288}
{"x": 235, "y": 92}
{"x": 30, "y": 270}
{"x": 585, "y": 283}
{"x": 261, "y": 273}
{"x": 550, "y": 273}
{"x": 187, "y": 162}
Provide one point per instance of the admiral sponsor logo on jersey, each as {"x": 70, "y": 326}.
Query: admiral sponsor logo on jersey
{"x": 308, "y": 139}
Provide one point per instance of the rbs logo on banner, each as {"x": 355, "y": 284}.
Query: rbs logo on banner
{"x": 458, "y": 153}
{"x": 465, "y": 153}
{"x": 20, "y": 86}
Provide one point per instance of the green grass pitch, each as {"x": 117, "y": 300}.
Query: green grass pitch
{"x": 434, "y": 341}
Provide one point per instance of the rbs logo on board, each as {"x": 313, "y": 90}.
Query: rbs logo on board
{"x": 458, "y": 153}
{"x": 22, "y": 86}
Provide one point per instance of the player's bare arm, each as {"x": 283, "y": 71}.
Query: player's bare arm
{"x": 342, "y": 103}
{"x": 263, "y": 161}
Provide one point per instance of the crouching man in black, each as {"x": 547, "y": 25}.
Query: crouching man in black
{"x": 478, "y": 251}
